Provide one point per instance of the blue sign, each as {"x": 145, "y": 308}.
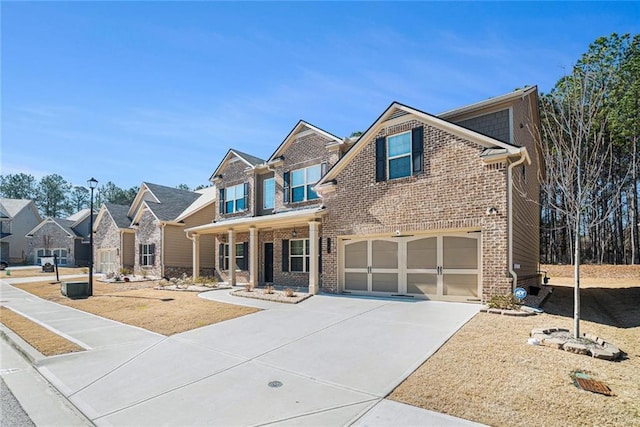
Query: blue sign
{"x": 520, "y": 293}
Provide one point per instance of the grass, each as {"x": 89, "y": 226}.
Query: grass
{"x": 40, "y": 338}
{"x": 489, "y": 374}
{"x": 132, "y": 303}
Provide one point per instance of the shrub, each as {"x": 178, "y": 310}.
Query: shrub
{"x": 125, "y": 271}
{"x": 268, "y": 289}
{"x": 504, "y": 302}
{"x": 289, "y": 292}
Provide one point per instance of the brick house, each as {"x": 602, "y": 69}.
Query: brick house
{"x": 67, "y": 238}
{"x": 269, "y": 216}
{"x": 159, "y": 216}
{"x": 17, "y": 218}
{"x": 440, "y": 207}
{"x": 114, "y": 239}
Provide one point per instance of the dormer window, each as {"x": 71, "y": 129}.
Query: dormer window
{"x": 298, "y": 184}
{"x": 234, "y": 199}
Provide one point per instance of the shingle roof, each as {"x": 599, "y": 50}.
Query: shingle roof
{"x": 79, "y": 215}
{"x": 255, "y": 161}
{"x": 13, "y": 206}
{"x": 3, "y": 212}
{"x": 66, "y": 224}
{"x": 172, "y": 201}
{"x": 119, "y": 214}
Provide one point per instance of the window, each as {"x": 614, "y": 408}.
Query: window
{"x": 147, "y": 254}
{"x": 399, "y": 155}
{"x": 299, "y": 255}
{"x": 269, "y": 193}
{"x": 235, "y": 199}
{"x": 240, "y": 256}
{"x": 60, "y": 253}
{"x": 302, "y": 181}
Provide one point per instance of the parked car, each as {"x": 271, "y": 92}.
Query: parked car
{"x": 3, "y": 264}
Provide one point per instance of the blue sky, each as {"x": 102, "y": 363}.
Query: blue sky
{"x": 159, "y": 91}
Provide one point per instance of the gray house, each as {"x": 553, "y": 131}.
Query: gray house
{"x": 17, "y": 218}
{"x": 67, "y": 238}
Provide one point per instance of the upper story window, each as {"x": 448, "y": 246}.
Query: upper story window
{"x": 269, "y": 193}
{"x": 400, "y": 155}
{"x": 234, "y": 199}
{"x": 298, "y": 184}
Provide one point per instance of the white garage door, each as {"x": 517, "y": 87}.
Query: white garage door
{"x": 443, "y": 266}
{"x": 107, "y": 261}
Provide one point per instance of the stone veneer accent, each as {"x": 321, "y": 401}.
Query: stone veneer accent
{"x": 148, "y": 232}
{"x": 51, "y": 236}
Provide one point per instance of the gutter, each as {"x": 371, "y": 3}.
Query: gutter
{"x": 523, "y": 157}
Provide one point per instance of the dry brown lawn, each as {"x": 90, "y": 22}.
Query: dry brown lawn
{"x": 138, "y": 304}
{"x": 489, "y": 374}
{"x": 42, "y": 339}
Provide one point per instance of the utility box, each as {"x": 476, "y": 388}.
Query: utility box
{"x": 75, "y": 289}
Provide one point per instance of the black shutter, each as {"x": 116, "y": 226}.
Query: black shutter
{"x": 285, "y": 255}
{"x": 246, "y": 196}
{"x": 152, "y": 251}
{"x": 140, "y": 254}
{"x": 285, "y": 187}
{"x": 381, "y": 159}
{"x": 417, "y": 149}
{"x": 221, "y": 256}
{"x": 245, "y": 252}
{"x": 221, "y": 198}
{"x": 323, "y": 169}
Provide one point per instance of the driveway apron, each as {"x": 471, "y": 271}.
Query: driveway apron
{"x": 326, "y": 361}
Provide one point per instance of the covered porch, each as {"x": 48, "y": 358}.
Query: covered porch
{"x": 304, "y": 225}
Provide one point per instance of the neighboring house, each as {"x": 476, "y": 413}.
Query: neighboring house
{"x": 17, "y": 218}
{"x": 114, "y": 239}
{"x": 268, "y": 221}
{"x": 440, "y": 207}
{"x": 68, "y": 239}
{"x": 159, "y": 216}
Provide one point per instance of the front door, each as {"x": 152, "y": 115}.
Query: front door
{"x": 268, "y": 262}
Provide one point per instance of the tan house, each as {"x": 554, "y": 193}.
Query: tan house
{"x": 440, "y": 207}
{"x": 17, "y": 218}
{"x": 114, "y": 239}
{"x": 159, "y": 216}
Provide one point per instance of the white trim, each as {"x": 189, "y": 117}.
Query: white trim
{"x": 137, "y": 201}
{"x": 520, "y": 93}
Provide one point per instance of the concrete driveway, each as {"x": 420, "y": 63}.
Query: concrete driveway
{"x": 329, "y": 360}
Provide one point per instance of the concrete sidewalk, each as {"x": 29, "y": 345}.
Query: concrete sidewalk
{"x": 329, "y": 360}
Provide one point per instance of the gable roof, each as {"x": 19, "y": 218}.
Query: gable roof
{"x": 251, "y": 161}
{"x": 161, "y": 194}
{"x": 13, "y": 207}
{"x": 301, "y": 126}
{"x": 396, "y": 110}
{"x": 80, "y": 215}
{"x": 117, "y": 213}
{"x": 488, "y": 103}
{"x": 207, "y": 197}
{"x": 64, "y": 224}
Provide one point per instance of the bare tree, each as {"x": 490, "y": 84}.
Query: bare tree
{"x": 579, "y": 157}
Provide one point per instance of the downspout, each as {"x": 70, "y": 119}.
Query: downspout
{"x": 162, "y": 225}
{"x": 510, "y": 168}
{"x": 194, "y": 273}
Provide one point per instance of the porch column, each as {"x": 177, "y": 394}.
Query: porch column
{"x": 253, "y": 256}
{"x": 232, "y": 258}
{"x": 314, "y": 279}
{"x": 195, "y": 238}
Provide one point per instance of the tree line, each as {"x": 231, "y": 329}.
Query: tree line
{"x": 589, "y": 133}
{"x": 56, "y": 197}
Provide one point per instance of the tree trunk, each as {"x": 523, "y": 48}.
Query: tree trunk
{"x": 576, "y": 279}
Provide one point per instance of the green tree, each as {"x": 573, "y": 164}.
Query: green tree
{"x": 52, "y": 197}
{"x": 79, "y": 198}
{"x": 111, "y": 193}
{"x": 18, "y": 186}
{"x": 183, "y": 187}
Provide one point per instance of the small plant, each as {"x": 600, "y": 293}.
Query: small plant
{"x": 268, "y": 289}
{"x": 143, "y": 273}
{"x": 289, "y": 293}
{"x": 504, "y": 302}
{"x": 125, "y": 271}
{"x": 84, "y": 270}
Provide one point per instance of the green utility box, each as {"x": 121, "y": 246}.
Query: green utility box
{"x": 75, "y": 289}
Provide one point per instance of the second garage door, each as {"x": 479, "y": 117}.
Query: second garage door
{"x": 442, "y": 266}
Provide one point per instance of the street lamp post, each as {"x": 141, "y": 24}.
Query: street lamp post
{"x": 93, "y": 183}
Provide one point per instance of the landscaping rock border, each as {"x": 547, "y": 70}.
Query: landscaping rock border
{"x": 505, "y": 312}
{"x": 588, "y": 344}
{"x": 276, "y": 296}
